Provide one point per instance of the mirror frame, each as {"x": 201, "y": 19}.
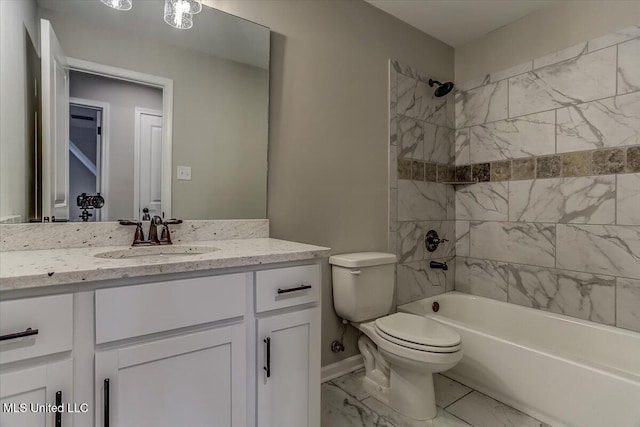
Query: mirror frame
{"x": 162, "y": 83}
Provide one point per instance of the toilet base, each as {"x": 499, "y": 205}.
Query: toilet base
{"x": 404, "y": 389}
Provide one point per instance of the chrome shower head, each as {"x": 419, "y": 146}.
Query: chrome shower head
{"x": 442, "y": 89}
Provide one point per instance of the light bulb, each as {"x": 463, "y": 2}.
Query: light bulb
{"x": 118, "y": 4}
{"x": 176, "y": 14}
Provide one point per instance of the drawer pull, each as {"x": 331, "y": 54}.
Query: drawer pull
{"x": 267, "y": 368}
{"x": 105, "y": 408}
{"x": 23, "y": 334}
{"x": 294, "y": 289}
{"x": 58, "y": 413}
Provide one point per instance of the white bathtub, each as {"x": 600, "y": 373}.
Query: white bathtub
{"x": 561, "y": 370}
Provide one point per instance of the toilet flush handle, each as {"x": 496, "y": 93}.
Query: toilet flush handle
{"x": 354, "y": 272}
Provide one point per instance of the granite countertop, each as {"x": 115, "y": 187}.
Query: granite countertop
{"x": 51, "y": 267}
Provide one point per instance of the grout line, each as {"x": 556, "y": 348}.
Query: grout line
{"x": 462, "y": 397}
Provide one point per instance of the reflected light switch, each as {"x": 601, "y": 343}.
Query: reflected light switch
{"x": 184, "y": 173}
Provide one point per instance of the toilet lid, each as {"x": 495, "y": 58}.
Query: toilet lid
{"x": 418, "y": 329}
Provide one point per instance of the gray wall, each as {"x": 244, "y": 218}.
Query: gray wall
{"x": 123, "y": 98}
{"x": 543, "y": 32}
{"x": 219, "y": 119}
{"x": 18, "y": 21}
{"x": 329, "y": 123}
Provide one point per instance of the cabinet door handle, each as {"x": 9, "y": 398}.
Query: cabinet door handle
{"x": 28, "y": 332}
{"x": 105, "y": 410}
{"x": 294, "y": 289}
{"x": 267, "y": 368}
{"x": 58, "y": 422}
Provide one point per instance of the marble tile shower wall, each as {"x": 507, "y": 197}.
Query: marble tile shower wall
{"x": 421, "y": 146}
{"x": 556, "y": 225}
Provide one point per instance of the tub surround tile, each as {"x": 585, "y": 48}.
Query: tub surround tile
{"x": 582, "y": 295}
{"x": 393, "y": 166}
{"x": 481, "y": 105}
{"x": 463, "y": 173}
{"x": 462, "y": 155}
{"x": 512, "y": 71}
{"x": 389, "y": 417}
{"x": 392, "y": 242}
{"x": 628, "y": 199}
{"x": 525, "y": 243}
{"x": 339, "y": 409}
{"x": 446, "y": 173}
{"x": 482, "y": 277}
{"x": 611, "y": 122}
{"x": 393, "y": 213}
{"x": 609, "y": 161}
{"x": 439, "y": 144}
{"x": 432, "y": 109}
{"x": 410, "y": 242}
{"x": 501, "y": 171}
{"x": 523, "y": 169}
{"x": 481, "y": 172}
{"x": 584, "y": 78}
{"x": 393, "y": 130}
{"x": 408, "y": 97}
{"x": 410, "y": 139}
{"x": 421, "y": 201}
{"x": 448, "y": 390}
{"x": 431, "y": 172}
{"x": 601, "y": 249}
{"x": 525, "y": 136}
{"x": 480, "y": 410}
{"x": 417, "y": 170}
{"x": 615, "y": 38}
{"x": 562, "y": 55}
{"x": 548, "y": 167}
{"x": 462, "y": 238}
{"x": 486, "y": 201}
{"x": 404, "y": 169}
{"x": 416, "y": 281}
{"x": 585, "y": 200}
{"x": 628, "y": 304}
{"x": 633, "y": 159}
{"x": 473, "y": 83}
{"x": 451, "y": 202}
{"x": 629, "y": 66}
{"x": 576, "y": 164}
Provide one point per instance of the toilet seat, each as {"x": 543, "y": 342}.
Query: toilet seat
{"x": 418, "y": 333}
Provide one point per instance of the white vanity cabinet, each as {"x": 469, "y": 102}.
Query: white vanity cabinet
{"x": 31, "y": 383}
{"x": 288, "y": 340}
{"x": 185, "y": 350}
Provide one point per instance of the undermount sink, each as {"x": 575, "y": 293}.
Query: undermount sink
{"x": 156, "y": 252}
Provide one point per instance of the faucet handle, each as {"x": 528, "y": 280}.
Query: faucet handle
{"x": 129, "y": 222}
{"x": 172, "y": 221}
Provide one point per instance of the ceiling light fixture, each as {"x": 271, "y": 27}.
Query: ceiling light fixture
{"x": 176, "y": 14}
{"x": 191, "y": 6}
{"x": 118, "y": 4}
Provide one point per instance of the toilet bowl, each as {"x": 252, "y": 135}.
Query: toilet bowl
{"x": 403, "y": 379}
{"x": 401, "y": 351}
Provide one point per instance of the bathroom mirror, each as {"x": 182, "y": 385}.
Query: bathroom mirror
{"x": 156, "y": 119}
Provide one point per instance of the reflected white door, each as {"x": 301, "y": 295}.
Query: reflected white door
{"x": 148, "y": 163}
{"x": 55, "y": 125}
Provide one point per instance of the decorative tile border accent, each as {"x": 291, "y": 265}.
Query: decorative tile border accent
{"x": 582, "y": 163}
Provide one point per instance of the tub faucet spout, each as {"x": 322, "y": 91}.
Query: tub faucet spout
{"x": 439, "y": 265}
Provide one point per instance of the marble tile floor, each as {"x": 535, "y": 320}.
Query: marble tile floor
{"x": 346, "y": 404}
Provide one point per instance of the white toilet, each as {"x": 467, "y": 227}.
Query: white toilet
{"x": 401, "y": 351}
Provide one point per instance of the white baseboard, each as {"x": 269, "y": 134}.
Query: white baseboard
{"x": 342, "y": 367}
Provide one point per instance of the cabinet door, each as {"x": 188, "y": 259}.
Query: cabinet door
{"x": 289, "y": 370}
{"x": 190, "y": 380}
{"x": 22, "y": 392}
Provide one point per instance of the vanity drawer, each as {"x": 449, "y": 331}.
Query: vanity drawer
{"x": 51, "y": 317}
{"x": 286, "y": 287}
{"x": 137, "y": 310}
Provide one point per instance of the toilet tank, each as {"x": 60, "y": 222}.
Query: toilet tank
{"x": 363, "y": 284}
